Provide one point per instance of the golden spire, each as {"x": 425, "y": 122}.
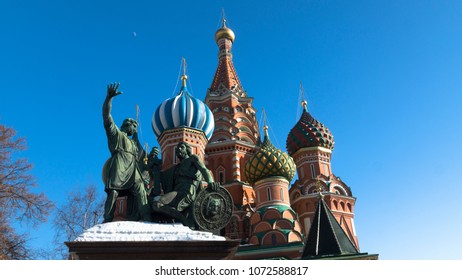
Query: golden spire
{"x": 184, "y": 77}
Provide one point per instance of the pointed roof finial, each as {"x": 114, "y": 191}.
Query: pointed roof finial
{"x": 265, "y": 126}
{"x": 184, "y": 77}
{"x": 223, "y": 18}
{"x": 302, "y": 92}
{"x": 265, "y": 129}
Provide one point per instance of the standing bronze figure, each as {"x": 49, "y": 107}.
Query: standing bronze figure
{"x": 121, "y": 172}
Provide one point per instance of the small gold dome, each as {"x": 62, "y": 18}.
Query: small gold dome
{"x": 224, "y": 32}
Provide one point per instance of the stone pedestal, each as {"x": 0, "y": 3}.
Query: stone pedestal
{"x": 153, "y": 250}
{"x": 149, "y": 241}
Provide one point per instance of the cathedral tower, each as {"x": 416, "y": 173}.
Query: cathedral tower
{"x": 310, "y": 143}
{"x": 236, "y": 134}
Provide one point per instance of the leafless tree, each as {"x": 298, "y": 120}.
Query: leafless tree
{"x": 80, "y": 211}
{"x": 18, "y": 203}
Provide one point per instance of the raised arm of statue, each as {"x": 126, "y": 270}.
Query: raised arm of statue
{"x": 112, "y": 90}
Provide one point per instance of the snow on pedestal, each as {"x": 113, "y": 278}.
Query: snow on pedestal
{"x": 149, "y": 241}
{"x": 143, "y": 231}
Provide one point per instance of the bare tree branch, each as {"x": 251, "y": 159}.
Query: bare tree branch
{"x": 17, "y": 200}
{"x": 81, "y": 211}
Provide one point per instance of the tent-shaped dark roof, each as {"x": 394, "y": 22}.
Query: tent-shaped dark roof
{"x": 326, "y": 237}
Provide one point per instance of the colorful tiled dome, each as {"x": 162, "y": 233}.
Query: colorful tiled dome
{"x": 308, "y": 132}
{"x": 269, "y": 161}
{"x": 183, "y": 110}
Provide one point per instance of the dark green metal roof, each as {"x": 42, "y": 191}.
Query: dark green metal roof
{"x": 326, "y": 236}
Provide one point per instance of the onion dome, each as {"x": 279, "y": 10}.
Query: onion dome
{"x": 269, "y": 161}
{"x": 309, "y": 132}
{"x": 183, "y": 110}
{"x": 224, "y": 32}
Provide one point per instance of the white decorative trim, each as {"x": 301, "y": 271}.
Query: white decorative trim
{"x": 332, "y": 186}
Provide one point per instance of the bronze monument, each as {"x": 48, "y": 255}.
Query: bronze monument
{"x": 173, "y": 195}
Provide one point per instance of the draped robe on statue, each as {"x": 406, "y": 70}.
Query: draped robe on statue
{"x": 121, "y": 172}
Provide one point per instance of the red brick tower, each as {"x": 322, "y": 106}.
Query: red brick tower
{"x": 235, "y": 137}
{"x": 310, "y": 144}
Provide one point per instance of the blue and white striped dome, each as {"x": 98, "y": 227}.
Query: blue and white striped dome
{"x": 183, "y": 110}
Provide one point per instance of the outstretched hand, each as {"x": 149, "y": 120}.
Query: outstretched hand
{"x": 113, "y": 90}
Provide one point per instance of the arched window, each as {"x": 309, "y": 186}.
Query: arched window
{"x": 313, "y": 172}
{"x": 220, "y": 174}
{"x": 335, "y": 204}
{"x": 349, "y": 207}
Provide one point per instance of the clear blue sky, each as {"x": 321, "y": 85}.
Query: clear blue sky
{"x": 384, "y": 76}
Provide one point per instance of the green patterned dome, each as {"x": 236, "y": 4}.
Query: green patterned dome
{"x": 269, "y": 161}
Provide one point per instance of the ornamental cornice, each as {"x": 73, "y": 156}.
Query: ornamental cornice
{"x": 174, "y": 133}
{"x": 328, "y": 152}
{"x": 304, "y": 158}
{"x": 230, "y": 146}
